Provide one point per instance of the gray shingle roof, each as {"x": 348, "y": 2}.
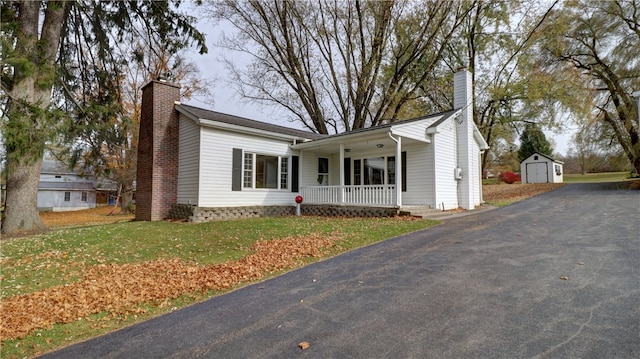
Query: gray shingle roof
{"x": 245, "y": 122}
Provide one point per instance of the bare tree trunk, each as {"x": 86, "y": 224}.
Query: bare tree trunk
{"x": 127, "y": 197}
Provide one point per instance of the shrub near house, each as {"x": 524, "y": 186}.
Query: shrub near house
{"x": 509, "y": 177}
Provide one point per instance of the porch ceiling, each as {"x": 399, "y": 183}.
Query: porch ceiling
{"x": 367, "y": 143}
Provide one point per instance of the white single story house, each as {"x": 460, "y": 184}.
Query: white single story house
{"x": 539, "y": 168}
{"x": 61, "y": 189}
{"x": 214, "y": 166}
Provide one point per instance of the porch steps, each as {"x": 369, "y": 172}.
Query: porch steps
{"x": 421, "y": 211}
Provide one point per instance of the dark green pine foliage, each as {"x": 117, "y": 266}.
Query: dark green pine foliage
{"x": 533, "y": 140}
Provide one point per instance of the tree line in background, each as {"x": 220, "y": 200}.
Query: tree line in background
{"x": 71, "y": 73}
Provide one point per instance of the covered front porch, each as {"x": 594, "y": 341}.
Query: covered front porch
{"x": 358, "y": 169}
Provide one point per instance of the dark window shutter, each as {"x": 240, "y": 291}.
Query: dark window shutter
{"x": 295, "y": 165}
{"x": 347, "y": 171}
{"x": 404, "y": 171}
{"x": 236, "y": 171}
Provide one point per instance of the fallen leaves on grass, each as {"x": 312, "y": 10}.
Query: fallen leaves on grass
{"x": 514, "y": 192}
{"x": 120, "y": 289}
{"x": 98, "y": 215}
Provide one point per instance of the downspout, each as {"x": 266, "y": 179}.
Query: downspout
{"x": 399, "y": 165}
{"x": 341, "y": 166}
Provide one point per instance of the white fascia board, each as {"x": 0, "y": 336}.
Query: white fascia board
{"x": 482, "y": 143}
{"x": 413, "y": 137}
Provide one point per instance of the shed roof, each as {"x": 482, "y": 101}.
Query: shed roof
{"x": 543, "y": 155}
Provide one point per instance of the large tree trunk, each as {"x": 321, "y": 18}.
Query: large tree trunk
{"x": 21, "y": 214}
{"x": 28, "y": 127}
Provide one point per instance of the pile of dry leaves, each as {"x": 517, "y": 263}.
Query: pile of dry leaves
{"x": 120, "y": 289}
{"x": 514, "y": 192}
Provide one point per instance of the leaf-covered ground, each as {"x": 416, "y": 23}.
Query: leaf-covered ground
{"x": 98, "y": 215}
{"x": 504, "y": 193}
{"x": 119, "y": 289}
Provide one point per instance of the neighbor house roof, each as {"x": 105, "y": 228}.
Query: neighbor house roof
{"x": 208, "y": 117}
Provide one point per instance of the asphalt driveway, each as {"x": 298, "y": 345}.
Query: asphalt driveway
{"x": 483, "y": 286}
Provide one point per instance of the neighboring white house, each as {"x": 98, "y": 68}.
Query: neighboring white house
{"x": 539, "y": 168}
{"x": 61, "y": 189}
{"x": 231, "y": 165}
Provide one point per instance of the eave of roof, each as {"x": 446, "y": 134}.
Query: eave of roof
{"x": 240, "y": 124}
{"x": 376, "y": 130}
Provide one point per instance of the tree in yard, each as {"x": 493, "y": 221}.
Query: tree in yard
{"x": 600, "y": 41}
{"x": 533, "y": 140}
{"x": 59, "y": 71}
{"x": 338, "y": 66}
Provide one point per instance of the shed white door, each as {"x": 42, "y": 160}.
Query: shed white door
{"x": 537, "y": 172}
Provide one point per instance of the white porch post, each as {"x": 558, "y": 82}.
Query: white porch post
{"x": 341, "y": 165}
{"x": 399, "y": 165}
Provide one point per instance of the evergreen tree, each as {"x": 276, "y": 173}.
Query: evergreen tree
{"x": 59, "y": 71}
{"x": 533, "y": 140}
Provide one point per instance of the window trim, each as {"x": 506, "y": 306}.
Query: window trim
{"x": 252, "y": 171}
{"x": 323, "y": 174}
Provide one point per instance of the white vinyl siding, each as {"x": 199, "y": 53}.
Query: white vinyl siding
{"x": 54, "y": 200}
{"x": 475, "y": 172}
{"x": 415, "y": 130}
{"x": 446, "y": 187}
{"x": 188, "y": 162}
{"x": 216, "y": 169}
{"x": 419, "y": 176}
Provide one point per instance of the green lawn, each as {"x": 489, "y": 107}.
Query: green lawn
{"x": 596, "y": 177}
{"x": 36, "y": 263}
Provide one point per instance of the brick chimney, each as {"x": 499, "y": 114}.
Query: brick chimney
{"x": 157, "y": 175}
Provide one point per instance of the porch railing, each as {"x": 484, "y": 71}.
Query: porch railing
{"x": 370, "y": 195}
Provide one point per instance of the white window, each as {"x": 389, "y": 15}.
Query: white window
{"x": 373, "y": 170}
{"x": 323, "y": 171}
{"x": 248, "y": 170}
{"x": 284, "y": 173}
{"x": 84, "y": 196}
{"x": 67, "y": 196}
{"x": 264, "y": 171}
